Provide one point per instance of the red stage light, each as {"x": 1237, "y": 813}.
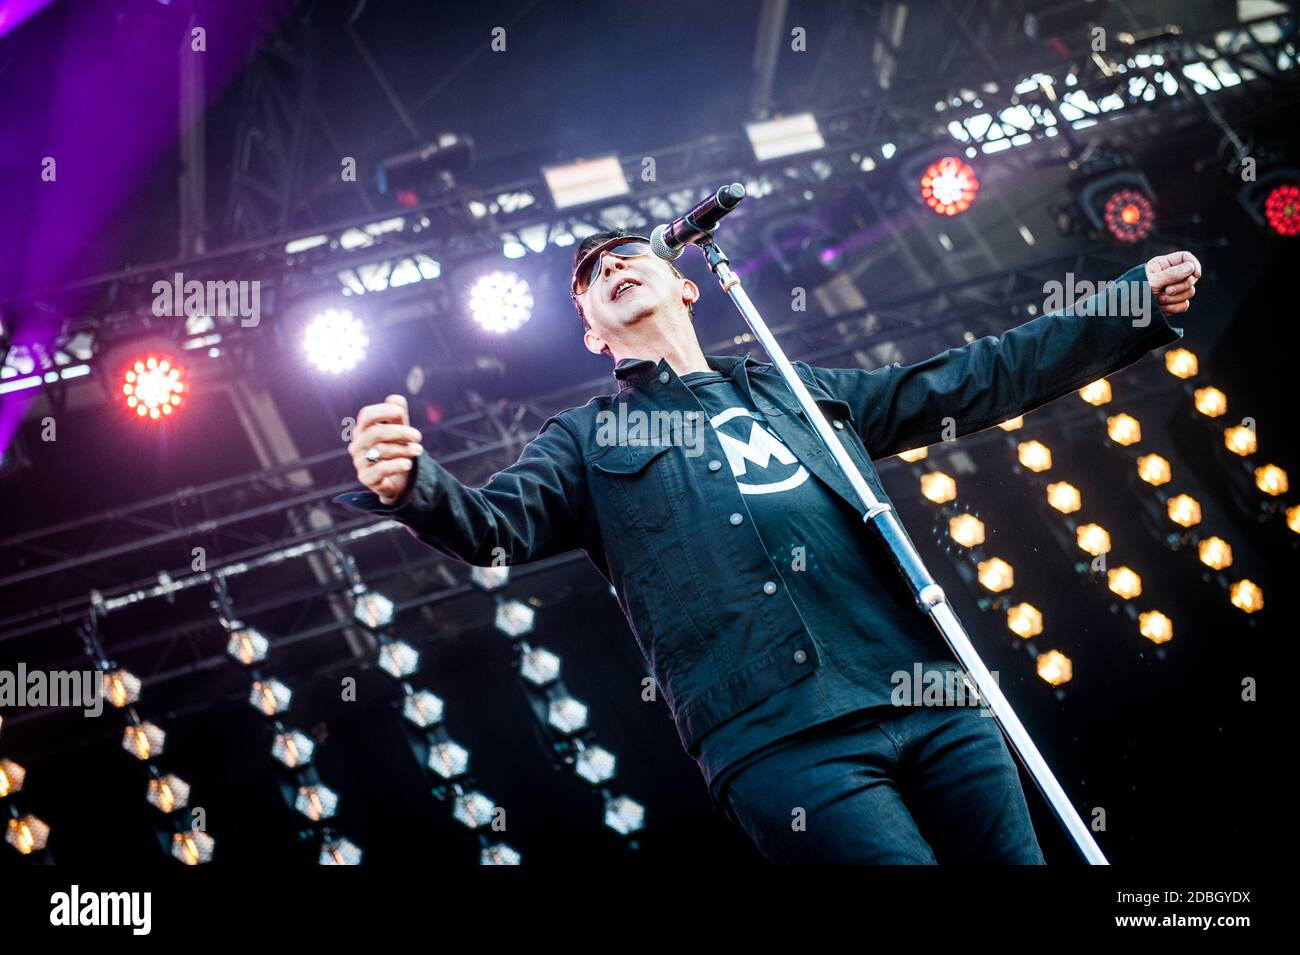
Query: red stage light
{"x": 152, "y": 387}
{"x": 1282, "y": 209}
{"x": 949, "y": 186}
{"x": 1129, "y": 215}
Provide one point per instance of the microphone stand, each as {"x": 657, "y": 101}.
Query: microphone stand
{"x": 929, "y": 595}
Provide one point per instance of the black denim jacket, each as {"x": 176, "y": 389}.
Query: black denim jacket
{"x": 672, "y": 532}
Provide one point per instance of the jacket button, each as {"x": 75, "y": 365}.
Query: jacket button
{"x": 769, "y": 588}
{"x": 663, "y": 377}
{"x": 736, "y": 518}
{"x": 800, "y": 656}
{"x": 839, "y": 425}
{"x": 715, "y": 465}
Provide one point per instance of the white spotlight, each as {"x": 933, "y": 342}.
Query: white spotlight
{"x": 501, "y": 301}
{"x": 336, "y": 341}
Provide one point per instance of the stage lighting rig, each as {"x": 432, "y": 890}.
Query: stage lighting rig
{"x": 1273, "y": 202}
{"x": 418, "y": 175}
{"x": 1112, "y": 200}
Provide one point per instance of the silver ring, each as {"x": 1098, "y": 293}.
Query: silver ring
{"x": 372, "y": 455}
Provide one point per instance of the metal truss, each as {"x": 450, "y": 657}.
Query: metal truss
{"x": 399, "y": 253}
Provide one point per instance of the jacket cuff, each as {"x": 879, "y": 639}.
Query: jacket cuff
{"x": 1154, "y": 326}
{"x": 368, "y": 502}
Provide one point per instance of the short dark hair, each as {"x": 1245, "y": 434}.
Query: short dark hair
{"x": 589, "y": 243}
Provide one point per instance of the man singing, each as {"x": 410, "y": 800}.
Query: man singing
{"x": 773, "y": 622}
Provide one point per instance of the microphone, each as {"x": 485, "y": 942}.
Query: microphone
{"x": 669, "y": 241}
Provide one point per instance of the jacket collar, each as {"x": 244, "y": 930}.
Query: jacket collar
{"x": 632, "y": 372}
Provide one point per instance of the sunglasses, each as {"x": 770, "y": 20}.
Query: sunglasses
{"x": 588, "y": 270}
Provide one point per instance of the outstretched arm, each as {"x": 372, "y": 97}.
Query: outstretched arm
{"x": 981, "y": 384}
{"x": 535, "y": 508}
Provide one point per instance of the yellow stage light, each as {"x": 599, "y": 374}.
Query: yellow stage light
{"x": 1247, "y": 596}
{"x": 1293, "y": 518}
{"x": 1055, "y": 667}
{"x": 1272, "y": 480}
{"x": 1210, "y": 402}
{"x": 1124, "y": 429}
{"x": 1154, "y": 469}
{"x": 1240, "y": 440}
{"x": 1097, "y": 393}
{"x": 1025, "y": 620}
{"x": 966, "y": 529}
{"x": 1214, "y": 553}
{"x": 1013, "y": 424}
{"x": 1155, "y": 626}
{"x": 996, "y": 574}
{"x": 1184, "y": 510}
{"x": 1034, "y": 455}
{"x": 1124, "y": 582}
{"x": 938, "y": 487}
{"x": 1064, "y": 497}
{"x": 1181, "y": 363}
{"x": 1093, "y": 539}
{"x": 916, "y": 454}
{"x": 11, "y": 777}
{"x": 28, "y": 834}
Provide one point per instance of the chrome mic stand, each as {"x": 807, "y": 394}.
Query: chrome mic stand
{"x": 929, "y": 595}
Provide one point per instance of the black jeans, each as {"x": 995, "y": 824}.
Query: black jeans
{"x": 931, "y": 785}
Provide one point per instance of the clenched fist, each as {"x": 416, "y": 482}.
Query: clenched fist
{"x": 1173, "y": 279}
{"x": 384, "y": 448}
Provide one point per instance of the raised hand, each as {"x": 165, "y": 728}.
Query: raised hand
{"x": 1173, "y": 279}
{"x": 384, "y": 448}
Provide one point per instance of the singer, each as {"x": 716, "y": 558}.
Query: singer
{"x": 777, "y": 629}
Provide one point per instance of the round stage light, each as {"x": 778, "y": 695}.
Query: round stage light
{"x": 1096, "y": 394}
{"x": 1215, "y": 553}
{"x": 996, "y": 574}
{"x": 1025, "y": 620}
{"x": 1155, "y": 626}
{"x": 1154, "y": 469}
{"x": 1246, "y": 595}
{"x": 1054, "y": 667}
{"x": 1272, "y": 480}
{"x": 949, "y": 186}
{"x": 1181, "y": 363}
{"x": 152, "y": 386}
{"x": 1034, "y": 455}
{"x": 1064, "y": 497}
{"x": 1210, "y": 402}
{"x": 1093, "y": 539}
{"x": 1240, "y": 440}
{"x": 1124, "y": 582}
{"x": 1184, "y": 510}
{"x": 1124, "y": 429}
{"x": 501, "y": 302}
{"x": 1129, "y": 215}
{"x": 336, "y": 341}
{"x": 938, "y": 487}
{"x": 1282, "y": 209}
{"x": 966, "y": 529}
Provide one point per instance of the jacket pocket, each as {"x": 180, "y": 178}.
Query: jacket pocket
{"x": 643, "y": 481}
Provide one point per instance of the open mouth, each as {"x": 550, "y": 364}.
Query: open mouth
{"x": 623, "y": 286}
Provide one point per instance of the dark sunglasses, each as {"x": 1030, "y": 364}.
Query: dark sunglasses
{"x": 587, "y": 271}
